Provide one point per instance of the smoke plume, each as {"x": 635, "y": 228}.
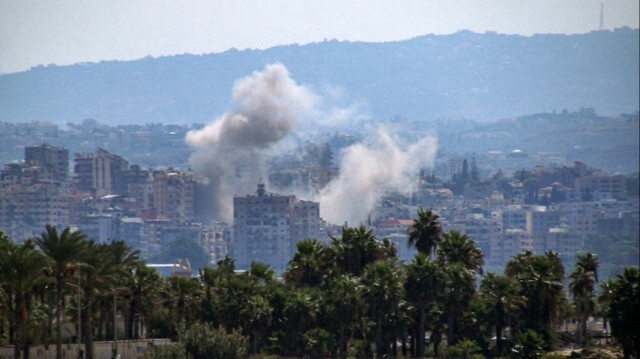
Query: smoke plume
{"x": 230, "y": 151}
{"x": 370, "y": 169}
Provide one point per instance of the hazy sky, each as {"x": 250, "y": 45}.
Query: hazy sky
{"x": 64, "y": 32}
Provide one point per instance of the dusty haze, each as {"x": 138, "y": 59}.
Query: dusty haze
{"x": 230, "y": 150}
{"x": 369, "y": 169}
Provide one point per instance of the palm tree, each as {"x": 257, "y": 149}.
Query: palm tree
{"x": 582, "y": 289}
{"x": 457, "y": 247}
{"x": 343, "y": 304}
{"x": 604, "y": 302}
{"x": 624, "y": 310}
{"x": 540, "y": 278}
{"x": 98, "y": 280}
{"x": 425, "y": 232}
{"x": 589, "y": 262}
{"x": 63, "y": 251}
{"x": 255, "y": 317}
{"x": 460, "y": 289}
{"x": 261, "y": 272}
{"x": 502, "y": 295}
{"x": 183, "y": 297}
{"x": 357, "y": 248}
{"x": 5, "y": 310}
{"x": 145, "y": 285}
{"x": 300, "y": 313}
{"x": 528, "y": 345}
{"x": 424, "y": 286}
{"x": 21, "y": 267}
{"x": 382, "y": 292}
{"x": 124, "y": 259}
{"x": 305, "y": 267}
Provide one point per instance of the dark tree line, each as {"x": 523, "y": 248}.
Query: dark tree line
{"x": 351, "y": 297}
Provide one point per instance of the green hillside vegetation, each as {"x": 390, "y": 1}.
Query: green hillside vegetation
{"x": 350, "y": 298}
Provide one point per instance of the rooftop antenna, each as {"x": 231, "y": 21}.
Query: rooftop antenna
{"x": 601, "y": 27}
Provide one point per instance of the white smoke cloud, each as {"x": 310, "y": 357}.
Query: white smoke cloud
{"x": 230, "y": 151}
{"x": 368, "y": 170}
{"x": 268, "y": 105}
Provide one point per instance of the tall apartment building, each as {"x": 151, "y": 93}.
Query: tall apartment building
{"x": 267, "y": 227}
{"x": 26, "y": 209}
{"x": 512, "y": 242}
{"x": 30, "y": 192}
{"x": 563, "y": 241}
{"x": 539, "y": 220}
{"x": 24, "y": 174}
{"x": 99, "y": 172}
{"x": 602, "y": 186}
{"x": 56, "y": 158}
{"x": 174, "y": 195}
{"x": 514, "y": 217}
{"x": 483, "y": 230}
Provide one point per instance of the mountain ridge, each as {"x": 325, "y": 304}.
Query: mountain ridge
{"x": 481, "y": 76}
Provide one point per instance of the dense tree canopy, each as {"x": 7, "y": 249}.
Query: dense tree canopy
{"x": 349, "y": 297}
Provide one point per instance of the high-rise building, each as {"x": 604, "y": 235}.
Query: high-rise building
{"x": 174, "y": 195}
{"x": 267, "y": 227}
{"x": 100, "y": 172}
{"x": 57, "y": 158}
{"x": 512, "y": 242}
{"x": 26, "y": 209}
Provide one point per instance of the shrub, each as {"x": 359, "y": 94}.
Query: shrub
{"x": 202, "y": 341}
{"x": 168, "y": 351}
{"x": 527, "y": 345}
{"x": 465, "y": 349}
{"x": 319, "y": 343}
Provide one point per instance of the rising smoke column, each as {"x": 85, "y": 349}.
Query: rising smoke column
{"x": 229, "y": 151}
{"x": 368, "y": 170}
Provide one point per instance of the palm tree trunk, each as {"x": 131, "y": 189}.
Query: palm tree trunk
{"x": 436, "y": 338}
{"x": 585, "y": 318}
{"x": 499, "y": 326}
{"x": 379, "y": 345}
{"x": 50, "y": 316}
{"x": 420, "y": 334}
{"x": 403, "y": 346}
{"x": 129, "y": 317}
{"x": 26, "y": 327}
{"x": 451, "y": 330}
{"x": 16, "y": 325}
{"x": 87, "y": 330}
